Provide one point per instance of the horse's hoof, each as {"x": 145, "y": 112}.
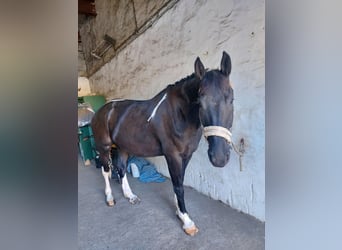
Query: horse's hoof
{"x": 111, "y": 203}
{"x": 134, "y": 200}
{"x": 191, "y": 230}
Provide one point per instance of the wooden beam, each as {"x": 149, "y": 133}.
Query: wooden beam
{"x": 87, "y": 7}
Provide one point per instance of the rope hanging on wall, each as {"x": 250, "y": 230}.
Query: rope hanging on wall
{"x": 240, "y": 151}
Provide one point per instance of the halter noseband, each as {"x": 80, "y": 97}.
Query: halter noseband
{"x": 218, "y": 131}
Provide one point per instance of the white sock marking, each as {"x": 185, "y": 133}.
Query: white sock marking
{"x": 108, "y": 190}
{"x": 126, "y": 188}
{"x": 187, "y": 222}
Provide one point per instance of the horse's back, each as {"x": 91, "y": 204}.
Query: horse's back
{"x": 130, "y": 129}
{"x": 124, "y": 123}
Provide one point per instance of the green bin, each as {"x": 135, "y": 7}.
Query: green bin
{"x": 85, "y": 142}
{"x": 85, "y": 134}
{"x": 96, "y": 101}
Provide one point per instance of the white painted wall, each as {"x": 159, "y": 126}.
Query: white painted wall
{"x": 166, "y": 52}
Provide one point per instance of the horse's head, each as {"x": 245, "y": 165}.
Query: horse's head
{"x": 216, "y": 109}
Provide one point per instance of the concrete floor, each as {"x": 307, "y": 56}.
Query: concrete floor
{"x": 153, "y": 224}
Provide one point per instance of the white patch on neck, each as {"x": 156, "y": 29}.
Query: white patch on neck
{"x": 156, "y": 108}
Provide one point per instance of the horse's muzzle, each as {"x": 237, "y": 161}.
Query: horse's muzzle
{"x": 218, "y": 160}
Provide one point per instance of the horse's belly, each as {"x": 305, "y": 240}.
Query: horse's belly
{"x": 138, "y": 142}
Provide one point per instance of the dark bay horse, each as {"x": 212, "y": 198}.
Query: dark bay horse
{"x": 169, "y": 124}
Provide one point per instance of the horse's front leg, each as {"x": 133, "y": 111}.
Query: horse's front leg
{"x": 126, "y": 189}
{"x": 177, "y": 167}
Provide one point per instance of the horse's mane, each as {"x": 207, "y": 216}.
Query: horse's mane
{"x": 180, "y": 84}
{"x": 185, "y": 79}
{"x": 187, "y": 86}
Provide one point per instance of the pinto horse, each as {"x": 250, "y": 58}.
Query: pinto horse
{"x": 170, "y": 124}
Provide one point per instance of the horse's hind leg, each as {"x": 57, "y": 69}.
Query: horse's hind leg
{"x": 177, "y": 167}
{"x": 126, "y": 189}
{"x": 133, "y": 199}
{"x": 106, "y": 161}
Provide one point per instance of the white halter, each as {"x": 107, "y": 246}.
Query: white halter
{"x": 218, "y": 131}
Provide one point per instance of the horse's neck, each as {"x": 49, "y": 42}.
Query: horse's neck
{"x": 187, "y": 103}
{"x": 189, "y": 90}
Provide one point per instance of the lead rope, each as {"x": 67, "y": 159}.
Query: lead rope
{"x": 240, "y": 151}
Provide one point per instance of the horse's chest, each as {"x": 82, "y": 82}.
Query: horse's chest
{"x": 188, "y": 142}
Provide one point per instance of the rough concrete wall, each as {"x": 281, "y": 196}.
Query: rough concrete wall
{"x": 82, "y": 70}
{"x": 144, "y": 10}
{"x": 83, "y": 87}
{"x": 115, "y": 18}
{"x": 120, "y": 19}
{"x": 166, "y": 52}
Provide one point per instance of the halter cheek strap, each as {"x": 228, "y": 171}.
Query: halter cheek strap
{"x": 218, "y": 131}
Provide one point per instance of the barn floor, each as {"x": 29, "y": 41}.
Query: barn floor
{"x": 153, "y": 224}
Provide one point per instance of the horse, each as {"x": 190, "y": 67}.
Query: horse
{"x": 170, "y": 124}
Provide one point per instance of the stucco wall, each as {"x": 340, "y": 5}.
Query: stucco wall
{"x": 166, "y": 52}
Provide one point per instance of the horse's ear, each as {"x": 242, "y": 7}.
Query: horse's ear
{"x": 199, "y": 68}
{"x": 226, "y": 64}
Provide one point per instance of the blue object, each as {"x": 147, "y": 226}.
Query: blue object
{"x": 148, "y": 172}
